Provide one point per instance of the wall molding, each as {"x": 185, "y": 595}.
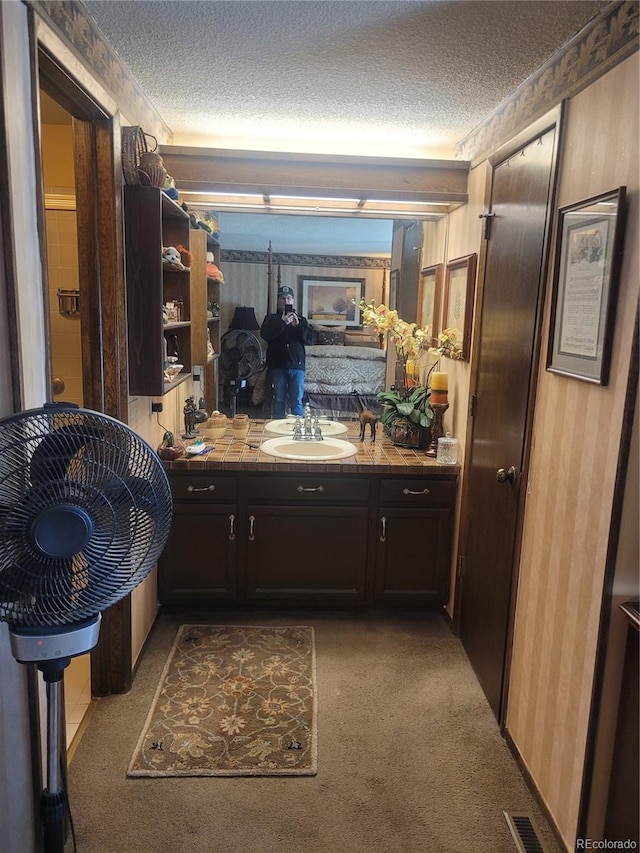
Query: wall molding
{"x": 610, "y": 38}
{"x": 352, "y": 261}
{"x": 72, "y": 23}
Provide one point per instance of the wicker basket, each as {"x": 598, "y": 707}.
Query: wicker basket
{"x": 151, "y": 170}
{"x": 134, "y": 144}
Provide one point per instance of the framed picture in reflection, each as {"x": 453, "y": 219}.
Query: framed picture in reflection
{"x": 430, "y": 301}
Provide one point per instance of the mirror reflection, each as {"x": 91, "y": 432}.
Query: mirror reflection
{"x": 315, "y": 256}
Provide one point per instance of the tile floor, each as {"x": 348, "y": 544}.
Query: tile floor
{"x": 77, "y": 693}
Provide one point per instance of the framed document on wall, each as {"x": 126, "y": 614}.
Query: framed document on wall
{"x": 585, "y": 286}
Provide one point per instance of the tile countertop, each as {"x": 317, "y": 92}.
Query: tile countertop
{"x": 379, "y": 457}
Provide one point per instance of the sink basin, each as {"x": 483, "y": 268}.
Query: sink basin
{"x": 309, "y": 451}
{"x": 285, "y": 427}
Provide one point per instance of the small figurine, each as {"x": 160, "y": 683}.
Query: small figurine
{"x": 365, "y": 417}
{"x": 368, "y": 417}
{"x": 189, "y": 418}
{"x": 169, "y": 450}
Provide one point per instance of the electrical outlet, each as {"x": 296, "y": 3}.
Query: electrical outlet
{"x": 156, "y": 407}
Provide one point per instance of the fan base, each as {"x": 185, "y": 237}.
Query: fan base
{"x": 33, "y": 645}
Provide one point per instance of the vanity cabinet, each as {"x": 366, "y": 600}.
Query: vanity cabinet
{"x": 287, "y": 539}
{"x": 200, "y": 559}
{"x": 307, "y": 538}
{"x": 412, "y": 543}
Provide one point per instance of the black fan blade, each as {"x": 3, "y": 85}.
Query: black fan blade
{"x": 51, "y": 458}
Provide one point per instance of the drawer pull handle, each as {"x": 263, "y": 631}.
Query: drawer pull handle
{"x": 410, "y": 492}
{"x": 252, "y": 519}
{"x": 232, "y": 532}
{"x": 383, "y": 534}
{"x": 210, "y": 488}
{"x": 311, "y": 489}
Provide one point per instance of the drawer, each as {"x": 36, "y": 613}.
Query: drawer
{"x": 418, "y": 491}
{"x": 203, "y": 488}
{"x": 305, "y": 488}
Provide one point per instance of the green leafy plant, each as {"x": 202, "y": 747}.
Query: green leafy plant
{"x": 409, "y": 409}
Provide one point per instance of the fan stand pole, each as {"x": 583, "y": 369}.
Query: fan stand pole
{"x": 53, "y": 800}
{"x": 235, "y": 386}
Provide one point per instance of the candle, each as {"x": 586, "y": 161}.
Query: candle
{"x": 439, "y": 398}
{"x": 439, "y": 381}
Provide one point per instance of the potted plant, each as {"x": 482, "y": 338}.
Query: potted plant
{"x": 407, "y": 415}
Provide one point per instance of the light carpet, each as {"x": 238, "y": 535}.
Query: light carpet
{"x": 233, "y": 700}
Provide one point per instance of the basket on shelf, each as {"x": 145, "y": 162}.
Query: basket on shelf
{"x": 151, "y": 170}
{"x": 134, "y": 145}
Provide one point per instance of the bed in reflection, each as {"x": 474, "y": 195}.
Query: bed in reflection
{"x": 340, "y": 380}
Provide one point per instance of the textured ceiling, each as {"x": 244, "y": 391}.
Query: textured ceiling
{"x": 364, "y": 77}
{"x": 401, "y": 79}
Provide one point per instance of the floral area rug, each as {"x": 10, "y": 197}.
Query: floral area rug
{"x": 233, "y": 701}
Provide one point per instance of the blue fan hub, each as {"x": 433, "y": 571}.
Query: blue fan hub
{"x": 62, "y": 531}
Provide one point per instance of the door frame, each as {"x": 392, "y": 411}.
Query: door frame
{"x": 551, "y": 119}
{"x": 98, "y": 170}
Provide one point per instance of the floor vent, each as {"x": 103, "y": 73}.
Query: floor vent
{"x": 524, "y": 832}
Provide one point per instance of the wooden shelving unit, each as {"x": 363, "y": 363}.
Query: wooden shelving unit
{"x": 154, "y": 221}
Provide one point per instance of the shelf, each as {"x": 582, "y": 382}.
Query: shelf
{"x": 183, "y": 324}
{"x": 179, "y": 379}
{"x": 213, "y": 319}
{"x": 153, "y": 220}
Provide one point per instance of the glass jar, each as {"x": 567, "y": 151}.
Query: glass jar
{"x": 447, "y": 450}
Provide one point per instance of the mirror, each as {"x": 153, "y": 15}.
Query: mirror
{"x": 368, "y": 250}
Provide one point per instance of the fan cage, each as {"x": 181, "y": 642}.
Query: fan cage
{"x": 71, "y": 457}
{"x": 240, "y": 354}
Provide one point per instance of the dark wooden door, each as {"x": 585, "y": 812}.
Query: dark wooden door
{"x": 515, "y": 253}
{"x": 407, "y": 302}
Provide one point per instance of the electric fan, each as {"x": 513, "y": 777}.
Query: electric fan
{"x": 240, "y": 356}
{"x": 85, "y": 511}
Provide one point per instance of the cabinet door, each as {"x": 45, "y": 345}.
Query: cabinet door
{"x": 306, "y": 553}
{"x": 199, "y": 560}
{"x": 412, "y": 554}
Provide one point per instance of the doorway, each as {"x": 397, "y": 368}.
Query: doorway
{"x": 97, "y": 179}
{"x": 65, "y": 331}
{"x": 517, "y": 233}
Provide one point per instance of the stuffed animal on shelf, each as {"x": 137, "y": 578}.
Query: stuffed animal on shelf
{"x": 185, "y": 256}
{"x": 171, "y": 258}
{"x": 169, "y": 188}
{"x": 214, "y": 272}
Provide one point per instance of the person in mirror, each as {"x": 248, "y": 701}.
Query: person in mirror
{"x": 286, "y": 333}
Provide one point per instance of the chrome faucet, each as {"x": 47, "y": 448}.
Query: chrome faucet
{"x": 308, "y": 427}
